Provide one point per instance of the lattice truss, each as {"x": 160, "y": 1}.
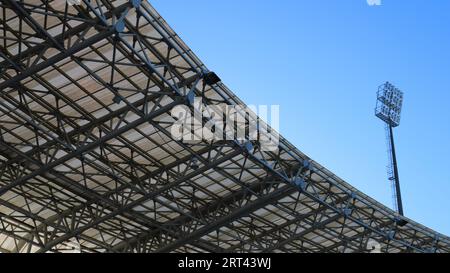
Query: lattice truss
{"x": 88, "y": 162}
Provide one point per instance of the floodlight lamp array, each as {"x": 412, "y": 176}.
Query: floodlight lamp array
{"x": 389, "y": 104}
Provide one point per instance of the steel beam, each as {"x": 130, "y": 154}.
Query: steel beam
{"x": 90, "y": 146}
{"x": 145, "y": 197}
{"x": 76, "y": 30}
{"x": 14, "y": 81}
{"x": 261, "y": 202}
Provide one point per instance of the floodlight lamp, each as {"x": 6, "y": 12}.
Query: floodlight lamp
{"x": 389, "y": 104}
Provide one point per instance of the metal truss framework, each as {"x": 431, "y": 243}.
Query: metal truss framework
{"x": 88, "y": 160}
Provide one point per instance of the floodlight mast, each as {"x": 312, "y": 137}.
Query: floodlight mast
{"x": 388, "y": 109}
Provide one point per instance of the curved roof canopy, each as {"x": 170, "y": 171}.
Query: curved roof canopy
{"x": 88, "y": 162}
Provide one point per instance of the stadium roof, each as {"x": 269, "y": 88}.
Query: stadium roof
{"x": 88, "y": 161}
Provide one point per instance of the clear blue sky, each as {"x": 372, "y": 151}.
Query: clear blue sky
{"x": 322, "y": 61}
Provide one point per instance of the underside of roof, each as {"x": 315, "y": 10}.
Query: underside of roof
{"x": 88, "y": 162}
